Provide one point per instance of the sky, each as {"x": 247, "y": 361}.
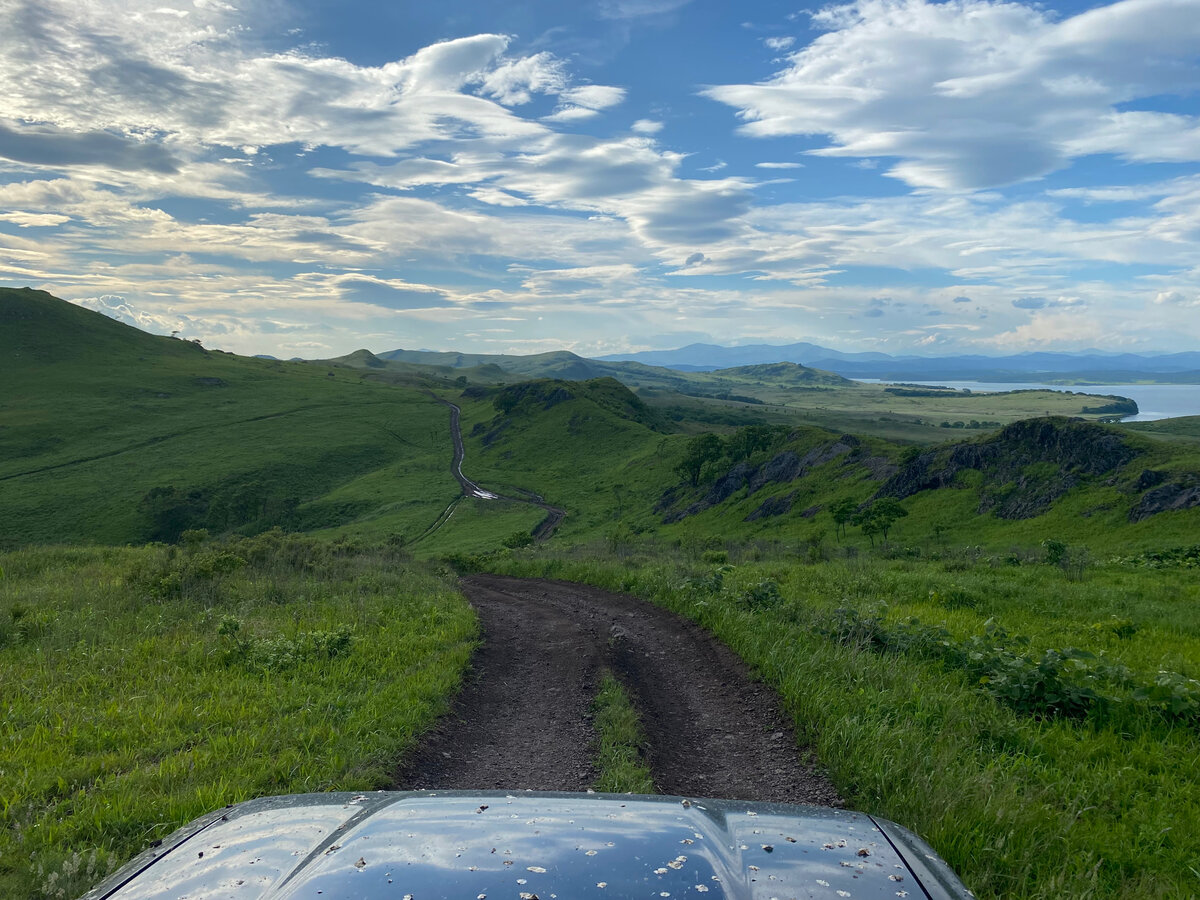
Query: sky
{"x": 305, "y": 178}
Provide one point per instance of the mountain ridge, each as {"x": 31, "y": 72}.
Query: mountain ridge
{"x": 1030, "y": 366}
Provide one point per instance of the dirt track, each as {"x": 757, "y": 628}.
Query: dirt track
{"x": 548, "y": 525}
{"x": 522, "y": 720}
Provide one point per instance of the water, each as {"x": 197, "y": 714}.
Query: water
{"x": 1155, "y": 401}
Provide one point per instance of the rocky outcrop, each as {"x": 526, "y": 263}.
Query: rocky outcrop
{"x": 773, "y": 506}
{"x": 733, "y": 481}
{"x": 1148, "y": 479}
{"x": 1175, "y": 495}
{"x": 783, "y": 468}
{"x": 1017, "y": 486}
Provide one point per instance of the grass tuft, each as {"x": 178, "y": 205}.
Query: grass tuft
{"x": 620, "y": 755}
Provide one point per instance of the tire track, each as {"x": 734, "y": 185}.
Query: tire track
{"x": 522, "y": 721}
{"x": 159, "y": 439}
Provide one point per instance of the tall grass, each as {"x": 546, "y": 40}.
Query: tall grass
{"x": 142, "y": 687}
{"x": 1040, "y": 807}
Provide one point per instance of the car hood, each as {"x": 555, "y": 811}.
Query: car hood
{"x": 530, "y": 846}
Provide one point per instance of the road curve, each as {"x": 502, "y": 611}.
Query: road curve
{"x": 554, "y": 515}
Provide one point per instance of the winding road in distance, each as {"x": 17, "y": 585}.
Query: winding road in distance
{"x": 548, "y": 525}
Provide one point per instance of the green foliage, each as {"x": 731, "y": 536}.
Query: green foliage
{"x": 761, "y": 595}
{"x": 518, "y": 539}
{"x": 701, "y": 450}
{"x": 879, "y": 517}
{"x": 1175, "y": 557}
{"x": 280, "y": 653}
{"x": 1056, "y": 551}
{"x": 1056, "y": 682}
{"x": 620, "y": 758}
{"x": 710, "y": 583}
{"x": 1174, "y": 694}
{"x": 842, "y": 511}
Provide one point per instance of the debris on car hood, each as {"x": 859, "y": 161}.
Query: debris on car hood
{"x": 531, "y": 846}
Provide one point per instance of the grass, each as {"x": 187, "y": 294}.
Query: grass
{"x": 620, "y": 757}
{"x": 142, "y": 687}
{"x": 1105, "y": 806}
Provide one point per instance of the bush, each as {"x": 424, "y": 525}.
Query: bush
{"x": 763, "y": 595}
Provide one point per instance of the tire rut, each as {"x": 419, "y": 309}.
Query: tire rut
{"x": 522, "y": 720}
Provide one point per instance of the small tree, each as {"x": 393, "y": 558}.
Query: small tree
{"x": 842, "y": 511}
{"x": 886, "y": 511}
{"x": 879, "y": 517}
{"x": 702, "y": 449}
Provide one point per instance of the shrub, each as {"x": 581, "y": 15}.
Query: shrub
{"x": 763, "y": 595}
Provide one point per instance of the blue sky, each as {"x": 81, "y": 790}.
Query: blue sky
{"x": 306, "y": 178}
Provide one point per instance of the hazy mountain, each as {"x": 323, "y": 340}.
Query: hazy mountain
{"x": 1090, "y": 365}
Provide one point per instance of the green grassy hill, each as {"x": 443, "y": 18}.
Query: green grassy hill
{"x": 111, "y": 435}
{"x": 1035, "y": 480}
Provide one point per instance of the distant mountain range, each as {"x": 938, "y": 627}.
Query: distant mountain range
{"x": 1092, "y": 366}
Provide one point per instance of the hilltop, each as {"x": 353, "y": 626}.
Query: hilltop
{"x": 1032, "y": 480}
{"x": 777, "y": 391}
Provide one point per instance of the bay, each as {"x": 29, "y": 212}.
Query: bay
{"x": 1155, "y": 401}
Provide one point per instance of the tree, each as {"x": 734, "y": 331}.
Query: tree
{"x": 703, "y": 448}
{"x": 887, "y": 510}
{"x": 879, "y": 517}
{"x": 842, "y": 511}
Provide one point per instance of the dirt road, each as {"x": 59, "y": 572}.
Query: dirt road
{"x": 545, "y": 528}
{"x": 522, "y": 721}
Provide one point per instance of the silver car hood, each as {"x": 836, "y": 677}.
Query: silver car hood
{"x": 530, "y": 846}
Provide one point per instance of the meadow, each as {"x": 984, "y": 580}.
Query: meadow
{"x": 142, "y": 687}
{"x": 1038, "y": 723}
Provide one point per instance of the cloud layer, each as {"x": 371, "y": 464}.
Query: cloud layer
{"x": 186, "y": 165}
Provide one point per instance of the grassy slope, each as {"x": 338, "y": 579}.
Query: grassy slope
{"x": 584, "y": 454}
{"x": 1106, "y": 807}
{"x": 128, "y": 712}
{"x": 1095, "y": 514}
{"x": 95, "y": 414}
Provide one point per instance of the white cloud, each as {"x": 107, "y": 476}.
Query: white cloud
{"x": 1063, "y": 330}
{"x": 571, "y": 114}
{"x": 976, "y": 93}
{"x": 127, "y": 88}
{"x": 779, "y": 43}
{"x": 494, "y": 197}
{"x": 594, "y": 96}
{"x": 514, "y": 82}
{"x": 635, "y": 9}
{"x": 1176, "y": 298}
{"x": 647, "y": 126}
{"x": 779, "y": 165}
{"x": 33, "y": 220}
{"x": 117, "y": 307}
